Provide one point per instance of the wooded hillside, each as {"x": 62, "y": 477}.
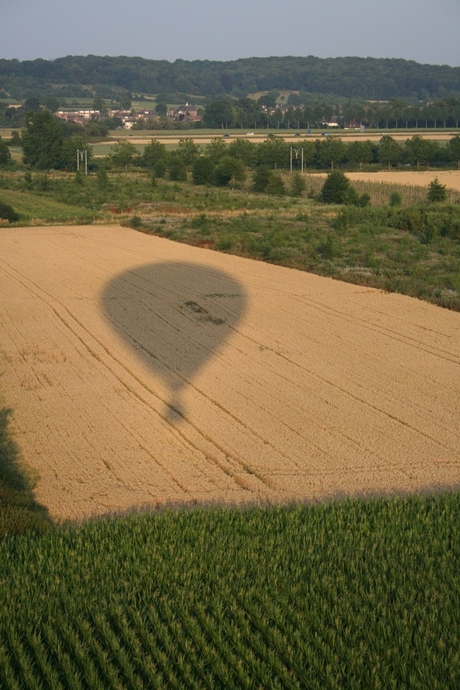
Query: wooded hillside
{"x": 350, "y": 77}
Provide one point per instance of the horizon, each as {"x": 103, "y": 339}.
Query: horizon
{"x": 423, "y": 31}
{"x": 238, "y": 59}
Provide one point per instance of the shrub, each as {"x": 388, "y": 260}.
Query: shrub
{"x": 410, "y": 220}
{"x": 199, "y": 222}
{"x": 298, "y": 185}
{"x": 177, "y": 170}
{"x": 449, "y": 222}
{"x": 28, "y": 180}
{"x": 8, "y": 213}
{"x": 350, "y": 198}
{"x": 337, "y": 189}
{"x": 276, "y": 186}
{"x": 102, "y": 178}
{"x": 342, "y": 221}
{"x": 261, "y": 178}
{"x": 160, "y": 167}
{"x": 328, "y": 248}
{"x": 79, "y": 178}
{"x": 418, "y": 222}
{"x": 395, "y": 199}
{"x": 436, "y": 192}
{"x": 42, "y": 182}
{"x": 364, "y": 200}
{"x": 135, "y": 222}
{"x": 203, "y": 170}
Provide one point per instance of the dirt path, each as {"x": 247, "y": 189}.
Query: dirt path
{"x": 143, "y": 372}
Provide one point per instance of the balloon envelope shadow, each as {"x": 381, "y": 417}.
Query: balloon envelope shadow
{"x": 174, "y": 316}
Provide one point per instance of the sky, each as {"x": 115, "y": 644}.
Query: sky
{"x": 422, "y": 30}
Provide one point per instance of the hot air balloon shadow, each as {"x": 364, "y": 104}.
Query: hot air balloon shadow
{"x": 174, "y": 316}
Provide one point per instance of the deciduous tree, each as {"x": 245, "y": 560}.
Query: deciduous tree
{"x": 42, "y": 140}
{"x": 331, "y": 151}
{"x": 219, "y": 114}
{"x": 177, "y": 169}
{"x": 216, "y": 150}
{"x": 244, "y": 150}
{"x": 69, "y": 148}
{"x": 161, "y": 108}
{"x": 5, "y": 154}
{"x": 153, "y": 152}
{"x": 273, "y": 152}
{"x": 203, "y": 170}
{"x": 454, "y": 150}
{"x": 389, "y": 151}
{"x": 123, "y": 154}
{"x": 188, "y": 151}
{"x": 416, "y": 150}
{"x": 360, "y": 152}
{"x": 229, "y": 170}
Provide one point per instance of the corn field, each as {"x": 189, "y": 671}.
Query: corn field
{"x": 345, "y": 595}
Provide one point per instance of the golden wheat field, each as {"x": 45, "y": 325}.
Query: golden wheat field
{"x": 143, "y": 373}
{"x": 419, "y": 178}
{"x": 411, "y": 178}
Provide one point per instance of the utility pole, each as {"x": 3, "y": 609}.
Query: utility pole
{"x": 82, "y": 156}
{"x": 296, "y": 151}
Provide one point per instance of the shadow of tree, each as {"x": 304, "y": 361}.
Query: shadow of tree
{"x": 19, "y": 511}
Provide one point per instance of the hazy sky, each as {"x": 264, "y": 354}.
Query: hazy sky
{"x": 423, "y": 30}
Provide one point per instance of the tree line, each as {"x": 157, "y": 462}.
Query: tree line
{"x": 246, "y": 112}
{"x": 48, "y": 143}
{"x": 349, "y": 77}
{"x": 263, "y": 113}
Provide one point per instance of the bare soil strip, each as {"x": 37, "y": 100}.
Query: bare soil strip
{"x": 143, "y": 372}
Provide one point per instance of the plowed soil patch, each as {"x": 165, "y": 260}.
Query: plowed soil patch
{"x": 142, "y": 372}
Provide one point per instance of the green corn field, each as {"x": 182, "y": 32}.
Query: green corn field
{"x": 345, "y": 595}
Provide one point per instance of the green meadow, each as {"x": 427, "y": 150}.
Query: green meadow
{"x": 43, "y": 210}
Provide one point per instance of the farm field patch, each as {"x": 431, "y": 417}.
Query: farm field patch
{"x": 143, "y": 373}
{"x": 422, "y": 178}
{"x": 173, "y": 137}
{"x": 414, "y": 178}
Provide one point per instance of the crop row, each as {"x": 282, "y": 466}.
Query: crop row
{"x": 353, "y": 594}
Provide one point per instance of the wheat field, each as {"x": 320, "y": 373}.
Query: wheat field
{"x": 143, "y": 373}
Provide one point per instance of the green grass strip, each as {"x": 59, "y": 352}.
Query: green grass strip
{"x": 33, "y": 208}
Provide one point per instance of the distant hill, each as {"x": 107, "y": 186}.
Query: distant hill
{"x": 349, "y": 77}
